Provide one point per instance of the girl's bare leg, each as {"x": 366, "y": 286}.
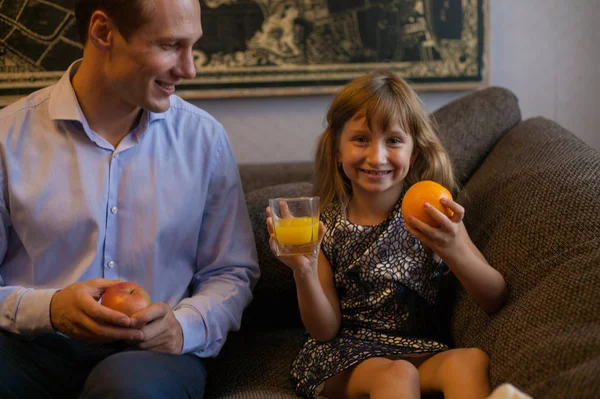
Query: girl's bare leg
{"x": 458, "y": 373}
{"x": 375, "y": 378}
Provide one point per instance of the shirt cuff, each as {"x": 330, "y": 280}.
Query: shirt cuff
{"x": 33, "y": 312}
{"x": 193, "y": 327}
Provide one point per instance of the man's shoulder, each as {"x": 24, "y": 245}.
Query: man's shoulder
{"x": 26, "y": 104}
{"x": 184, "y": 109}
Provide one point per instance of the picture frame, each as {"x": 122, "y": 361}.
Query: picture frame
{"x": 253, "y": 48}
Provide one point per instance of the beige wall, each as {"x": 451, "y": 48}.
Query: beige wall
{"x": 546, "y": 51}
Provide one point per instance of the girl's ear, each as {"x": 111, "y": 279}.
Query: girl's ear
{"x": 338, "y": 158}
{"x": 414, "y": 157}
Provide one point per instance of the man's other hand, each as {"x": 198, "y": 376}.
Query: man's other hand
{"x": 162, "y": 331}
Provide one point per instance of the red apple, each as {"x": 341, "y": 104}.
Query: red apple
{"x": 126, "y": 297}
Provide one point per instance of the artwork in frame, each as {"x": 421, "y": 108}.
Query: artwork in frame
{"x": 275, "y": 47}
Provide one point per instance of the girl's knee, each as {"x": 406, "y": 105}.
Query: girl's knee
{"x": 468, "y": 359}
{"x": 378, "y": 376}
{"x": 398, "y": 370}
{"x": 476, "y": 357}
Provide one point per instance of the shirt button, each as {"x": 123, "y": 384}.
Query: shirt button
{"x": 111, "y": 264}
{"x": 114, "y": 210}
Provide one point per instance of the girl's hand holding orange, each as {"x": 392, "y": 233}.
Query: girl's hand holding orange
{"x": 425, "y": 191}
{"x": 448, "y": 238}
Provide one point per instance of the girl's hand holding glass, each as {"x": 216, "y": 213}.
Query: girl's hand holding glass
{"x": 295, "y": 238}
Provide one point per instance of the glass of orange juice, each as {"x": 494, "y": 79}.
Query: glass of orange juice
{"x": 296, "y": 225}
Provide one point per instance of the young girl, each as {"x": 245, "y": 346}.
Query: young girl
{"x": 368, "y": 300}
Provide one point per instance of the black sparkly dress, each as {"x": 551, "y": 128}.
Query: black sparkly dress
{"x": 387, "y": 286}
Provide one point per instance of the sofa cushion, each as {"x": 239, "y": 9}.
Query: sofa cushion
{"x": 255, "y": 365}
{"x": 533, "y": 209}
{"x": 276, "y": 290}
{"x": 470, "y": 127}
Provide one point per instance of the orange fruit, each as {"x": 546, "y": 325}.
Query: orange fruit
{"x": 420, "y": 193}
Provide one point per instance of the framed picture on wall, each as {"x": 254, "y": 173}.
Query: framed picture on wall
{"x": 276, "y": 47}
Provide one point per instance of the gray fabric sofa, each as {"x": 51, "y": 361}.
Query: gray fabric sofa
{"x": 531, "y": 190}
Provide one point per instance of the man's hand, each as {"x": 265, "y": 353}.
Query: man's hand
{"x": 162, "y": 331}
{"x": 75, "y": 312}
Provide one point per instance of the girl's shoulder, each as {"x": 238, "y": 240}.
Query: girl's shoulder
{"x": 332, "y": 213}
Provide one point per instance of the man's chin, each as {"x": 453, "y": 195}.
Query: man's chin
{"x": 159, "y": 107}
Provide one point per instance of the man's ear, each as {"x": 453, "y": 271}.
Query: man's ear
{"x": 101, "y": 30}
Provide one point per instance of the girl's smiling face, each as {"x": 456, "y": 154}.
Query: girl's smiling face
{"x": 375, "y": 160}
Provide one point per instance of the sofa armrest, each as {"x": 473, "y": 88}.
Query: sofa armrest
{"x": 533, "y": 209}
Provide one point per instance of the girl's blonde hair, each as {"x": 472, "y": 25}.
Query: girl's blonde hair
{"x": 387, "y": 97}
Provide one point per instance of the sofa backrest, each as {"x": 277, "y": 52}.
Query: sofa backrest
{"x": 533, "y": 209}
{"x": 257, "y": 176}
{"x": 470, "y": 127}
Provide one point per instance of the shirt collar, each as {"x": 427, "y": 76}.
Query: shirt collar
{"x": 63, "y": 103}
{"x": 153, "y": 116}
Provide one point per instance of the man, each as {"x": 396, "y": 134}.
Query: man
{"x": 108, "y": 176}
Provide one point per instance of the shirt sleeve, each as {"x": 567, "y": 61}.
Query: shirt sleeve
{"x": 226, "y": 262}
{"x": 22, "y": 311}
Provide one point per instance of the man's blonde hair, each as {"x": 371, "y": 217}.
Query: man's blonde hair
{"x": 387, "y": 97}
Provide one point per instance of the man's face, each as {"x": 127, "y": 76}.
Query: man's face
{"x": 144, "y": 70}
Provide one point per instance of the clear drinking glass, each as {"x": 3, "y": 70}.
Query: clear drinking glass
{"x": 296, "y": 225}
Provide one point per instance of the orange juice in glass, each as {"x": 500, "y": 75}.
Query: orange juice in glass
{"x": 296, "y": 225}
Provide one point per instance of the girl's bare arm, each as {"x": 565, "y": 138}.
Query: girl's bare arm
{"x": 318, "y": 300}
{"x": 453, "y": 244}
{"x": 317, "y": 297}
{"x": 484, "y": 283}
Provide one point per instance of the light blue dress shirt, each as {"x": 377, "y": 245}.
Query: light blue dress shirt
{"x": 164, "y": 209}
